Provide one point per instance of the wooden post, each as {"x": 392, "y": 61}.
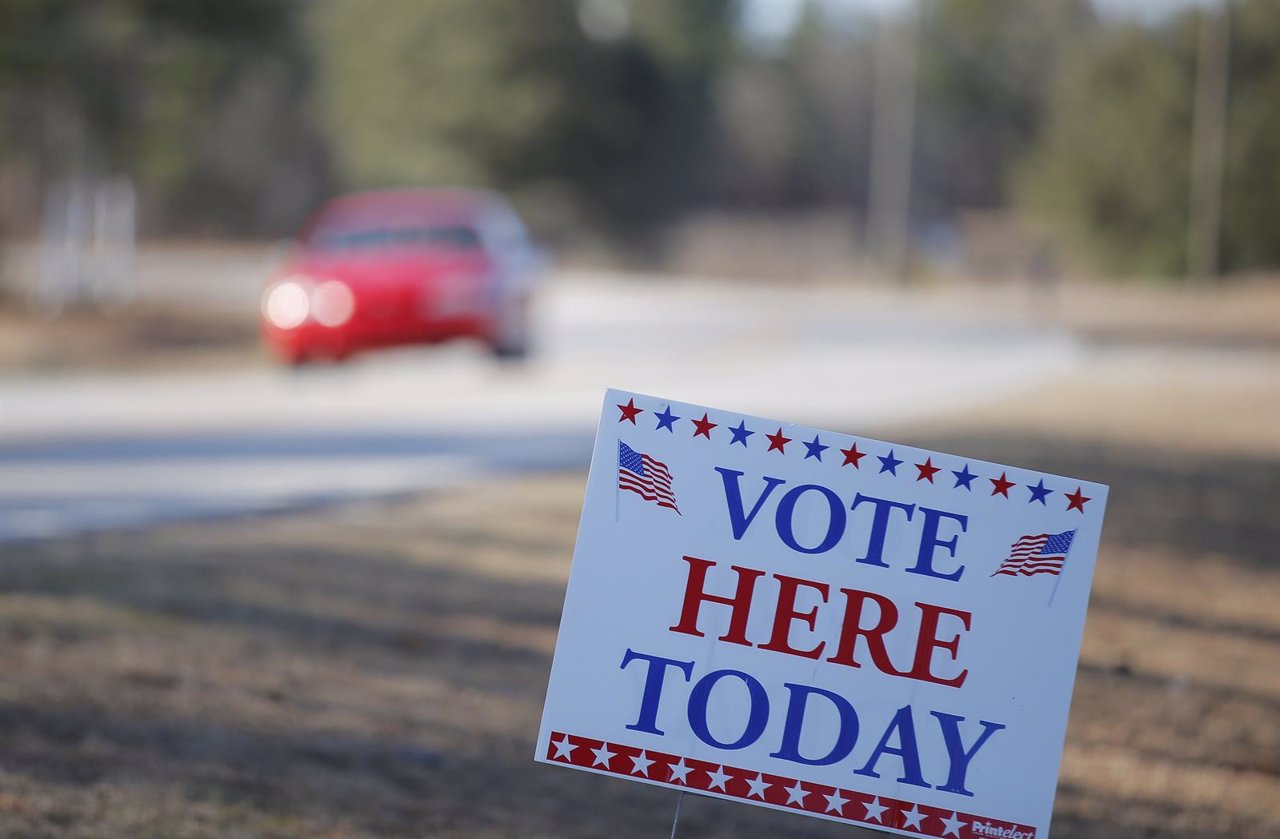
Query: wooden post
{"x": 1208, "y": 142}
{"x": 892, "y": 133}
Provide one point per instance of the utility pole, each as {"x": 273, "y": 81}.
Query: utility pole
{"x": 1208, "y": 143}
{"x": 892, "y": 136}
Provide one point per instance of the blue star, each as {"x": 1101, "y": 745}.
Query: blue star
{"x": 666, "y": 419}
{"x": 740, "y": 434}
{"x": 889, "y": 464}
{"x": 815, "y": 448}
{"x": 963, "y": 478}
{"x": 1038, "y": 492}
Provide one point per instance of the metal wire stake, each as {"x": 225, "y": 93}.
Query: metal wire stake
{"x": 675, "y": 822}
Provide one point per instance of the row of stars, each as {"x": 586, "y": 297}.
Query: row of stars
{"x": 796, "y": 794}
{"x": 888, "y": 463}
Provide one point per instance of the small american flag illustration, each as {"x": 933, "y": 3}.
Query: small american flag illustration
{"x": 648, "y": 478}
{"x": 1043, "y": 553}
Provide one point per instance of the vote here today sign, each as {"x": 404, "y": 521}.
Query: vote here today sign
{"x": 789, "y": 617}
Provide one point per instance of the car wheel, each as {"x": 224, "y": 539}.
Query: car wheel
{"x": 513, "y": 339}
{"x": 510, "y": 352}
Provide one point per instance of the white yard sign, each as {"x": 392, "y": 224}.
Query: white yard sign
{"x": 804, "y": 620}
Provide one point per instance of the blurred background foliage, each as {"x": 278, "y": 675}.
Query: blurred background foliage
{"x": 520, "y": 96}
{"x": 1110, "y": 169}
{"x": 621, "y": 117}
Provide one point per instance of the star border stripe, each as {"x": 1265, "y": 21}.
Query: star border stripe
{"x": 888, "y": 463}
{"x": 780, "y": 792}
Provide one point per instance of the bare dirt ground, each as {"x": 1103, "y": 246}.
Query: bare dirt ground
{"x": 143, "y": 337}
{"x": 378, "y": 670}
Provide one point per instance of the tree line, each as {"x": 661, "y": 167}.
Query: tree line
{"x": 235, "y": 117}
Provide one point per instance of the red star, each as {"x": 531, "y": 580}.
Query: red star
{"x": 778, "y": 442}
{"x": 852, "y": 456}
{"x": 1003, "y": 485}
{"x": 630, "y": 411}
{"x": 927, "y": 470}
{"x": 1076, "y": 500}
{"x": 704, "y": 426}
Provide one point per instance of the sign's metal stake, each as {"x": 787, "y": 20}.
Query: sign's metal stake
{"x": 1056, "y": 581}
{"x": 675, "y": 822}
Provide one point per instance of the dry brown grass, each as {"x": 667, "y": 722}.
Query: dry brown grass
{"x": 378, "y": 670}
{"x": 143, "y": 337}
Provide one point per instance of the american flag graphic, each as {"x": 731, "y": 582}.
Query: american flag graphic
{"x": 648, "y": 478}
{"x": 1043, "y": 553}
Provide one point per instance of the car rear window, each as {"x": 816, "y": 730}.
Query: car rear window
{"x": 454, "y": 236}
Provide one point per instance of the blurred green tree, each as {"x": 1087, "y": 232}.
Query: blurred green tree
{"x": 986, "y": 69}
{"x": 795, "y": 120}
{"x": 1111, "y": 171}
{"x": 791, "y": 118}
{"x": 156, "y": 90}
{"x": 599, "y": 105}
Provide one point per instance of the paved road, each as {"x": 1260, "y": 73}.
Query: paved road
{"x": 89, "y": 453}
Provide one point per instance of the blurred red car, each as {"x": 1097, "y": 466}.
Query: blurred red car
{"x": 377, "y": 269}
